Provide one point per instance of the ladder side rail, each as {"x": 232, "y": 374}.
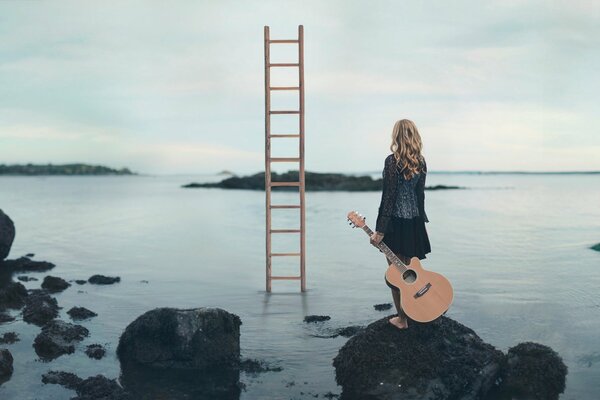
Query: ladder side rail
{"x": 301, "y": 153}
{"x": 267, "y": 160}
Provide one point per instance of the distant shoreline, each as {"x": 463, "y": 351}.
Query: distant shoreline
{"x": 60, "y": 170}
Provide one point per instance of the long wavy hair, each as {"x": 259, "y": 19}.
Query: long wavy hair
{"x": 406, "y": 147}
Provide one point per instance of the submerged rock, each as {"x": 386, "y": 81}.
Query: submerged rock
{"x": 316, "y": 318}
{"x": 66, "y": 379}
{"x": 534, "y": 370}
{"x": 58, "y": 338}
{"x": 254, "y": 366}
{"x": 54, "y": 284}
{"x": 383, "y": 306}
{"x": 12, "y": 295}
{"x": 26, "y": 264}
{"x": 596, "y": 247}
{"x": 80, "y": 281}
{"x": 96, "y": 387}
{"x": 40, "y": 308}
{"x": 79, "y": 313}
{"x": 96, "y": 351}
{"x": 7, "y": 234}
{"x": 9, "y": 338}
{"x": 103, "y": 280}
{"x": 442, "y": 359}
{"x": 6, "y": 365}
{"x": 197, "y": 338}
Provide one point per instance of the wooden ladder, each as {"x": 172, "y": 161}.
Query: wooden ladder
{"x": 268, "y": 159}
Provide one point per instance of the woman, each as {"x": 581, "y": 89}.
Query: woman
{"x": 401, "y": 219}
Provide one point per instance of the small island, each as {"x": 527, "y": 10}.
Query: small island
{"x": 63, "y": 169}
{"x": 315, "y": 181}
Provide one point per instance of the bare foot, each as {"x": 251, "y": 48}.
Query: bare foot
{"x": 398, "y": 323}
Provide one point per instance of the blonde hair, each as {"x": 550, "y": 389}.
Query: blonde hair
{"x": 406, "y": 147}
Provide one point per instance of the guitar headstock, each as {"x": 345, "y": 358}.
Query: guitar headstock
{"x": 356, "y": 220}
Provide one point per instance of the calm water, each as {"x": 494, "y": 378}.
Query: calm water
{"x": 515, "y": 248}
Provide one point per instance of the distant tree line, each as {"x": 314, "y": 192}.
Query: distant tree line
{"x": 64, "y": 169}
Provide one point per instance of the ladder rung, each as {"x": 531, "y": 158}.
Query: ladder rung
{"x": 284, "y": 41}
{"x": 285, "y": 112}
{"x": 286, "y": 206}
{"x": 284, "y": 159}
{"x": 284, "y": 87}
{"x": 286, "y": 277}
{"x": 285, "y": 135}
{"x": 285, "y": 183}
{"x": 284, "y": 65}
{"x": 285, "y": 254}
{"x": 285, "y": 230}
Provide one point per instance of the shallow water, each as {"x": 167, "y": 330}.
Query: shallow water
{"x": 515, "y": 247}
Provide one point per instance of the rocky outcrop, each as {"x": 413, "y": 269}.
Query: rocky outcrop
{"x": 6, "y": 365}
{"x": 58, "y": 338}
{"x": 7, "y": 234}
{"x": 442, "y": 359}
{"x": 383, "y": 306}
{"x": 26, "y": 264}
{"x": 172, "y": 338}
{"x": 40, "y": 308}
{"x": 12, "y": 295}
{"x": 54, "y": 284}
{"x": 80, "y": 313}
{"x": 316, "y": 318}
{"x": 96, "y": 387}
{"x": 96, "y": 351}
{"x": 534, "y": 371}
{"x": 103, "y": 280}
{"x": 9, "y": 338}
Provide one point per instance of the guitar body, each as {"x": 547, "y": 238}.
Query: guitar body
{"x": 424, "y": 295}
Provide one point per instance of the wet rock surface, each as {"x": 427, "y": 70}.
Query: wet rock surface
{"x": 26, "y": 264}
{"x": 383, "y": 306}
{"x": 103, "y": 280}
{"x": 24, "y": 278}
{"x": 54, "y": 284}
{"x": 442, "y": 359}
{"x": 96, "y": 387}
{"x": 40, "y": 308}
{"x": 6, "y": 365}
{"x": 186, "y": 339}
{"x": 12, "y": 295}
{"x": 96, "y": 351}
{"x": 7, "y": 234}
{"x": 81, "y": 313}
{"x": 316, "y": 318}
{"x": 58, "y": 338}
{"x": 9, "y": 338}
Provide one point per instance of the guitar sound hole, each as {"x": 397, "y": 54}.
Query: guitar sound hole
{"x": 409, "y": 276}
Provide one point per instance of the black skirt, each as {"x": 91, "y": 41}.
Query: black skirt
{"x": 407, "y": 236}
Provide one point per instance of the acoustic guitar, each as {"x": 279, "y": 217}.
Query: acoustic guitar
{"x": 424, "y": 295}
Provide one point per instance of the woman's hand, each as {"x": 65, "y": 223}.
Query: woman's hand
{"x": 376, "y": 238}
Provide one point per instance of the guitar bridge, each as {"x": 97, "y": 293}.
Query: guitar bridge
{"x": 422, "y": 291}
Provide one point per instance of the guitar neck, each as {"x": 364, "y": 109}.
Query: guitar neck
{"x": 385, "y": 249}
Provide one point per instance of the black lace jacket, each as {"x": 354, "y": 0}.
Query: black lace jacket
{"x": 400, "y": 197}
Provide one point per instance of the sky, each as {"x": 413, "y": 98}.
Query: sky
{"x": 177, "y": 87}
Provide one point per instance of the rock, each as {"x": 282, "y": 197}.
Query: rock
{"x": 103, "y": 280}
{"x": 442, "y": 359}
{"x": 79, "y": 313}
{"x": 80, "y": 281}
{"x": 12, "y": 295}
{"x": 30, "y": 255}
{"x": 24, "y": 278}
{"x": 349, "y": 331}
{"x": 54, "y": 284}
{"x": 4, "y": 317}
{"x": 96, "y": 351}
{"x": 40, "y": 308}
{"x": 534, "y": 370}
{"x": 96, "y": 387}
{"x": 382, "y": 307}
{"x": 6, "y": 364}
{"x": 596, "y": 247}
{"x": 9, "y": 338}
{"x": 197, "y": 338}
{"x": 253, "y": 366}
{"x": 58, "y": 338}
{"x": 7, "y": 234}
{"x": 316, "y": 318}
{"x": 25, "y": 264}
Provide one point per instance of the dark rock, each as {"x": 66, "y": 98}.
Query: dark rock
{"x": 103, "y": 280}
{"x": 29, "y": 255}
{"x": 58, "y": 338}
{"x": 383, "y": 306}
{"x": 40, "y": 308}
{"x": 9, "y": 338}
{"x": 25, "y": 264}
{"x": 80, "y": 281}
{"x": 79, "y": 313}
{"x": 596, "y": 247}
{"x": 316, "y": 318}
{"x": 24, "y": 278}
{"x": 6, "y": 365}
{"x": 534, "y": 370}
{"x": 253, "y": 366}
{"x": 442, "y": 359}
{"x": 12, "y": 295}
{"x": 4, "y": 317}
{"x": 7, "y": 234}
{"x": 96, "y": 351}
{"x": 54, "y": 284}
{"x": 349, "y": 331}
{"x": 197, "y": 338}
{"x": 96, "y": 387}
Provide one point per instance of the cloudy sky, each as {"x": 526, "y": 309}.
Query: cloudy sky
{"x": 177, "y": 87}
